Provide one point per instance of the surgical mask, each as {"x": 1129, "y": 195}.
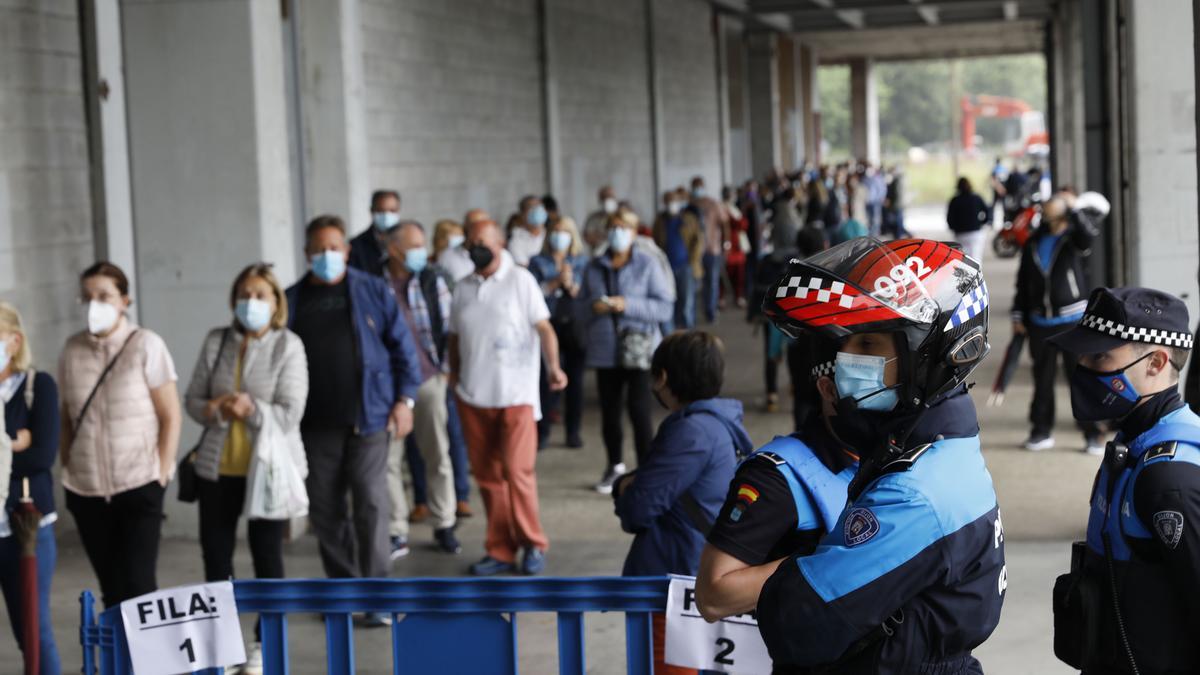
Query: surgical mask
{"x": 560, "y": 241}
{"x": 1097, "y": 396}
{"x": 455, "y": 240}
{"x": 329, "y": 265}
{"x": 674, "y": 207}
{"x": 537, "y": 216}
{"x": 253, "y": 314}
{"x": 620, "y": 239}
{"x": 699, "y": 193}
{"x": 385, "y": 220}
{"x": 482, "y": 256}
{"x": 860, "y": 377}
{"x": 610, "y": 206}
{"x": 415, "y": 259}
{"x": 101, "y": 317}
{"x": 5, "y": 358}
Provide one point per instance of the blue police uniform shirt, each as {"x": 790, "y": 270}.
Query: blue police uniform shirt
{"x": 923, "y": 545}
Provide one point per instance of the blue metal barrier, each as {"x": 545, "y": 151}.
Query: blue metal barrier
{"x": 439, "y": 615}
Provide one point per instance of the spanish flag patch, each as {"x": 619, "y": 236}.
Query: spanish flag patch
{"x": 747, "y": 494}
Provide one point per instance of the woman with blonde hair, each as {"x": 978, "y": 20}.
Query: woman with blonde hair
{"x": 30, "y": 400}
{"x": 120, "y": 431}
{"x": 249, "y": 388}
{"x": 559, "y": 269}
{"x": 448, "y": 251}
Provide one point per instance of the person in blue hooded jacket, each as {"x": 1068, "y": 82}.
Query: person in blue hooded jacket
{"x": 671, "y": 500}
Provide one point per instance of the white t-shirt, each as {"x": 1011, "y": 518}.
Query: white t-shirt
{"x": 498, "y": 346}
{"x": 524, "y": 244}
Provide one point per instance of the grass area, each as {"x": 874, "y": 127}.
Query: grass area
{"x": 933, "y": 181}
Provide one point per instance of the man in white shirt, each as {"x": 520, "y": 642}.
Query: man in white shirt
{"x": 529, "y": 232}
{"x": 497, "y": 318}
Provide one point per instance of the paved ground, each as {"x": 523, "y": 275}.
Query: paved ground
{"x": 1043, "y": 497}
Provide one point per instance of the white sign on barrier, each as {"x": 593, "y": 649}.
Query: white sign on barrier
{"x": 183, "y": 629}
{"x": 731, "y": 645}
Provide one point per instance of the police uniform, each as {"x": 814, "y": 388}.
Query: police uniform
{"x": 1143, "y": 547}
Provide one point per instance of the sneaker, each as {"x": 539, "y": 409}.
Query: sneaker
{"x": 1094, "y": 446}
{"x": 772, "y": 405}
{"x": 463, "y": 510}
{"x": 377, "y": 619}
{"x": 419, "y": 513}
{"x": 447, "y": 541}
{"x": 399, "y": 548}
{"x": 254, "y": 661}
{"x": 574, "y": 442}
{"x": 489, "y": 566}
{"x": 534, "y": 561}
{"x": 614, "y": 472}
{"x": 1038, "y": 442}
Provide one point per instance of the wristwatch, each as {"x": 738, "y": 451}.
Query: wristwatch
{"x": 408, "y": 402}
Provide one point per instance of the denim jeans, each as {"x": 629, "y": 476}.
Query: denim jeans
{"x": 713, "y": 264}
{"x": 10, "y": 580}
{"x": 685, "y": 298}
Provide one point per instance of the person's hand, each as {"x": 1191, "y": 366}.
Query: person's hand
{"x": 164, "y": 476}
{"x": 23, "y": 440}
{"x": 622, "y": 483}
{"x": 618, "y": 303}
{"x": 601, "y": 307}
{"x": 215, "y": 405}
{"x": 239, "y": 406}
{"x": 565, "y": 276}
{"x": 558, "y": 379}
{"x": 1018, "y": 328}
{"x": 400, "y": 420}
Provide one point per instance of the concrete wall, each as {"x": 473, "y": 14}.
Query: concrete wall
{"x": 600, "y": 68}
{"x": 453, "y": 104}
{"x": 1163, "y": 148}
{"x": 45, "y": 204}
{"x": 686, "y": 64}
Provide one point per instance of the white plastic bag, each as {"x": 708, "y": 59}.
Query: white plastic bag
{"x": 5, "y": 470}
{"x": 275, "y": 484}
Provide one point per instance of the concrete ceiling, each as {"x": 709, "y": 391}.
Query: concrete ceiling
{"x": 809, "y": 16}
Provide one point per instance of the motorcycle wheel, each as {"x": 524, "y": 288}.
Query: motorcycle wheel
{"x": 1003, "y": 246}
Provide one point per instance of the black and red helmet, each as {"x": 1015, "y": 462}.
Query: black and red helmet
{"x": 927, "y": 291}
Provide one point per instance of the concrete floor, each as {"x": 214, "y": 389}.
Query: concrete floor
{"x": 1044, "y": 500}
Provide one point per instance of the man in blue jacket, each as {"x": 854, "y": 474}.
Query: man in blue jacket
{"x": 912, "y": 576}
{"x": 363, "y": 376}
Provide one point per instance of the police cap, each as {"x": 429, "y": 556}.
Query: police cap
{"x": 1115, "y": 316}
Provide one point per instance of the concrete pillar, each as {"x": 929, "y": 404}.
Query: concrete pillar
{"x": 1161, "y": 102}
{"x": 735, "y": 66}
{"x": 790, "y": 135}
{"x": 1067, "y": 132}
{"x": 334, "y": 158}
{"x": 763, "y": 85}
{"x": 209, "y": 155}
{"x": 810, "y": 104}
{"x": 864, "y": 111}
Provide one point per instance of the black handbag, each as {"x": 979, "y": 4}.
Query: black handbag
{"x": 186, "y": 473}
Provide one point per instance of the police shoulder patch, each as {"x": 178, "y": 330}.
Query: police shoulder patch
{"x": 861, "y": 525}
{"x": 1161, "y": 450}
{"x": 1169, "y": 526}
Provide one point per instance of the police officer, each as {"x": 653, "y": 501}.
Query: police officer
{"x": 782, "y": 500}
{"x": 912, "y": 576}
{"x": 1132, "y": 601}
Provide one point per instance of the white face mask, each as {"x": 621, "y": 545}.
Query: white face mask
{"x": 610, "y": 206}
{"x": 5, "y": 357}
{"x": 101, "y": 317}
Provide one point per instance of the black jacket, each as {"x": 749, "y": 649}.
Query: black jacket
{"x": 366, "y": 254}
{"x": 1062, "y": 287}
{"x": 967, "y": 213}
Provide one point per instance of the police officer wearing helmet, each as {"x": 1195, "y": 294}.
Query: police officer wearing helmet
{"x": 1131, "y": 603}
{"x": 783, "y": 499}
{"x": 912, "y": 576}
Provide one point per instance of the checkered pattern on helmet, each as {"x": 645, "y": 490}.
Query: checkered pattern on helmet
{"x": 822, "y": 369}
{"x": 971, "y": 305}
{"x": 1135, "y": 333}
{"x": 797, "y": 287}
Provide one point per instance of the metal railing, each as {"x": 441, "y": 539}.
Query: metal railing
{"x": 441, "y": 616}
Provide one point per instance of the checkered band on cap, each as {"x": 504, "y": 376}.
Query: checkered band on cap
{"x": 1135, "y": 334}
{"x": 822, "y": 369}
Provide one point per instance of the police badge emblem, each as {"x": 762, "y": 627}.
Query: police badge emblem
{"x": 860, "y": 526}
{"x": 1169, "y": 526}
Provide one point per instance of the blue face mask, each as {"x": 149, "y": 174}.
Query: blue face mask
{"x": 560, "y": 241}
{"x": 860, "y": 377}
{"x": 253, "y": 314}
{"x": 4, "y": 356}
{"x": 455, "y": 240}
{"x": 415, "y": 259}
{"x": 329, "y": 265}
{"x": 620, "y": 239}
{"x": 699, "y": 193}
{"x": 385, "y": 220}
{"x": 537, "y": 216}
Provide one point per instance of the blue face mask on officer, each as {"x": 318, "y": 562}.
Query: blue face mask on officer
{"x": 1104, "y": 395}
{"x": 861, "y": 377}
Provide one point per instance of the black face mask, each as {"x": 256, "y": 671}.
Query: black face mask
{"x": 1097, "y": 396}
{"x": 866, "y": 431}
{"x": 481, "y": 255}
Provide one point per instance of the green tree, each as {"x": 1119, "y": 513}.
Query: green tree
{"x": 833, "y": 88}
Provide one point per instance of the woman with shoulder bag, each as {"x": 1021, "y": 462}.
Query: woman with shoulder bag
{"x": 623, "y": 297}
{"x": 248, "y": 389}
{"x": 559, "y": 268}
{"x": 120, "y": 430}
